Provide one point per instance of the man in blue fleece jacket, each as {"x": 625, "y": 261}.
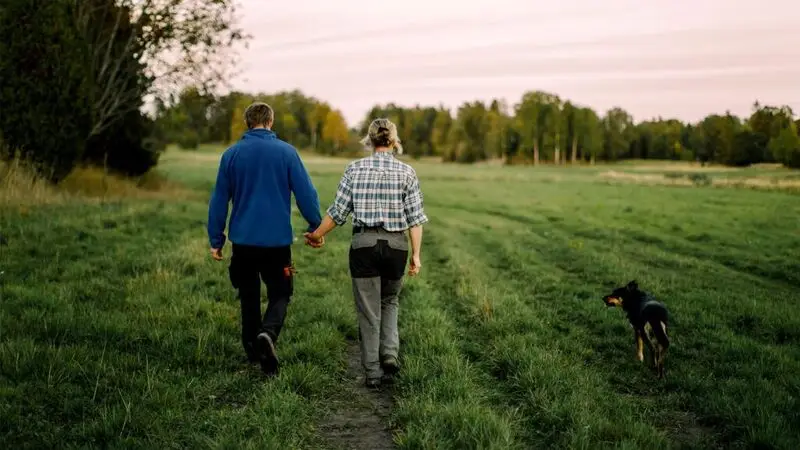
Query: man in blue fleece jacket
{"x": 258, "y": 174}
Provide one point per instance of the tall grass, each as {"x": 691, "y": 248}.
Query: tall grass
{"x": 21, "y": 186}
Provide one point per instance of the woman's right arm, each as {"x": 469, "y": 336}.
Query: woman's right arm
{"x": 415, "y": 215}
{"x": 415, "y": 234}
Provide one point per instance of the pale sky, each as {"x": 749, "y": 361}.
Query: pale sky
{"x": 678, "y": 58}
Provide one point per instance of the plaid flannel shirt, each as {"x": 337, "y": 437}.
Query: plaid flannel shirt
{"x": 380, "y": 191}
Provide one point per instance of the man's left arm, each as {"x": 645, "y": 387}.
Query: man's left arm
{"x": 218, "y": 209}
{"x": 304, "y": 192}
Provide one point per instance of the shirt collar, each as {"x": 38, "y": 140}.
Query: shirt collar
{"x": 383, "y": 154}
{"x": 260, "y": 132}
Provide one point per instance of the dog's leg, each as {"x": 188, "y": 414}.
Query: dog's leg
{"x": 639, "y": 345}
{"x": 648, "y": 335}
{"x": 662, "y": 351}
{"x": 656, "y": 356}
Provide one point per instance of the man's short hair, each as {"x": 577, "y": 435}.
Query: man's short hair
{"x": 258, "y": 113}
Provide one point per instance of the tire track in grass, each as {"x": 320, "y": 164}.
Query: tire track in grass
{"x": 359, "y": 416}
{"x": 442, "y": 400}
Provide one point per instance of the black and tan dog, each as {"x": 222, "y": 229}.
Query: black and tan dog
{"x": 649, "y": 319}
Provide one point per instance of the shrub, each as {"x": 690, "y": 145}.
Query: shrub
{"x": 188, "y": 140}
{"x": 55, "y": 97}
{"x": 44, "y": 86}
{"x": 700, "y": 179}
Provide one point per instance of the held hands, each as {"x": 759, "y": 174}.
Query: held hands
{"x": 415, "y": 266}
{"x": 314, "y": 240}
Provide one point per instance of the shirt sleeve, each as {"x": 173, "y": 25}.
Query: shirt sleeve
{"x": 218, "y": 206}
{"x": 413, "y": 205}
{"x": 342, "y": 204}
{"x": 304, "y": 192}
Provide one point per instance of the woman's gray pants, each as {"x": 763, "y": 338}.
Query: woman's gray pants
{"x": 377, "y": 264}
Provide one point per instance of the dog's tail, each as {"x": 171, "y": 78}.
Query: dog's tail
{"x": 660, "y": 332}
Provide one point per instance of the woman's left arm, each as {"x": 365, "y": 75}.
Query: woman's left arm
{"x": 336, "y": 214}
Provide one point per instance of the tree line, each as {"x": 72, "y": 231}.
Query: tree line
{"x": 540, "y": 128}
{"x": 74, "y": 75}
{"x": 193, "y": 117}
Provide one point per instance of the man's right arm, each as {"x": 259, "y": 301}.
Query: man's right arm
{"x": 304, "y": 192}
{"x": 218, "y": 206}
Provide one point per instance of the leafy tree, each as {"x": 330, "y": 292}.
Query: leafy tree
{"x": 590, "y": 134}
{"x": 335, "y": 134}
{"x": 553, "y": 128}
{"x": 786, "y": 147}
{"x": 238, "y": 124}
{"x": 467, "y": 135}
{"x": 44, "y": 117}
{"x": 572, "y": 119}
{"x": 441, "y": 129}
{"x": 529, "y": 113}
{"x": 719, "y": 133}
{"x": 94, "y": 61}
{"x": 618, "y": 133}
{"x": 767, "y": 122}
{"x": 497, "y": 120}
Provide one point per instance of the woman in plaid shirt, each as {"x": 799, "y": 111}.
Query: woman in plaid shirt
{"x": 384, "y": 197}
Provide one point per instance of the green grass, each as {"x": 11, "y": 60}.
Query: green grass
{"x": 117, "y": 330}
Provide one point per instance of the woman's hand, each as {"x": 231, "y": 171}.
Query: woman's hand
{"x": 314, "y": 239}
{"x": 415, "y": 266}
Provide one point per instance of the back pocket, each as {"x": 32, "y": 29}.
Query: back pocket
{"x": 397, "y": 241}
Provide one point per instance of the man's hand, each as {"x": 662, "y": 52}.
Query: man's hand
{"x": 415, "y": 266}
{"x": 314, "y": 240}
{"x": 216, "y": 253}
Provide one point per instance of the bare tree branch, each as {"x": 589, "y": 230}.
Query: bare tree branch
{"x": 177, "y": 42}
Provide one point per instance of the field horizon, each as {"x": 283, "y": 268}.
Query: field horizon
{"x": 117, "y": 330}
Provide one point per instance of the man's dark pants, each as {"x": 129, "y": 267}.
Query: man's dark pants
{"x": 249, "y": 267}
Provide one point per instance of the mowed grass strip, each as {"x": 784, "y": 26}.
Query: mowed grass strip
{"x": 116, "y": 329}
{"x": 443, "y": 400}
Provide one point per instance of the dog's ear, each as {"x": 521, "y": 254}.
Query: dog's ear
{"x": 633, "y": 286}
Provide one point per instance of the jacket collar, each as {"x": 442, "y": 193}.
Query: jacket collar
{"x": 259, "y": 132}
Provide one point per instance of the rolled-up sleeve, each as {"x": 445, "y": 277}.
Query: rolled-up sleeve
{"x": 415, "y": 212}
{"x": 342, "y": 204}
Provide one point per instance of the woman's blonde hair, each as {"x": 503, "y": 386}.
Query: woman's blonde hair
{"x": 382, "y": 133}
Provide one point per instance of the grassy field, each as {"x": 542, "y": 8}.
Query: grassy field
{"x": 118, "y": 331}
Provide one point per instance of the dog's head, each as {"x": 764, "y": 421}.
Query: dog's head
{"x": 619, "y": 295}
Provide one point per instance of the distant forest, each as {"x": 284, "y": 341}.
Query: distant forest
{"x": 540, "y": 128}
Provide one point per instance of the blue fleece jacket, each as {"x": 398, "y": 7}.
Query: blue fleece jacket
{"x": 258, "y": 174}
